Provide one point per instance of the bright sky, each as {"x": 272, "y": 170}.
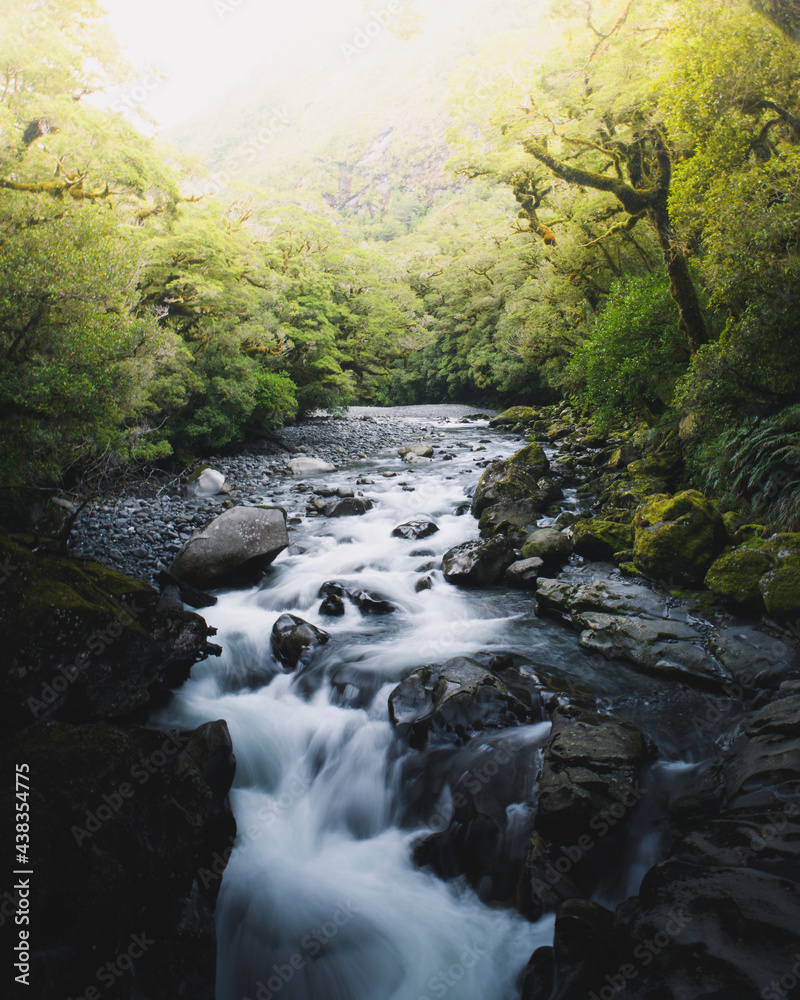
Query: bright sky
{"x": 202, "y": 46}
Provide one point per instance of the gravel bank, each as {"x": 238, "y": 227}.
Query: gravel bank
{"x": 139, "y": 531}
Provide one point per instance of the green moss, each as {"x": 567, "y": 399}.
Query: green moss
{"x": 781, "y": 591}
{"x": 600, "y": 539}
{"x": 736, "y": 575}
{"x": 677, "y": 538}
{"x": 516, "y": 415}
{"x": 532, "y": 455}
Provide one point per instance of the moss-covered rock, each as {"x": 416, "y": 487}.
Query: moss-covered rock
{"x": 84, "y": 643}
{"x": 600, "y": 539}
{"x": 736, "y": 576}
{"x": 677, "y": 538}
{"x": 521, "y": 477}
{"x": 780, "y": 589}
{"x": 548, "y": 544}
{"x": 515, "y": 415}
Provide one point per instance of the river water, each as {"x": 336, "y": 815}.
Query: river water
{"x": 321, "y": 899}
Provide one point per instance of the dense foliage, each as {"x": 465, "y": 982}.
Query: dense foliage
{"x": 619, "y": 224}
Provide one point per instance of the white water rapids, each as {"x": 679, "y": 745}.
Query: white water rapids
{"x": 321, "y": 899}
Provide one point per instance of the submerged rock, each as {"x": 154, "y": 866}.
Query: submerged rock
{"x": 237, "y": 546}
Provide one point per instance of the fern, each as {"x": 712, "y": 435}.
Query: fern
{"x": 758, "y": 466}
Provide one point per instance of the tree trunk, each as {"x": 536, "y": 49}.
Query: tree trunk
{"x": 681, "y": 287}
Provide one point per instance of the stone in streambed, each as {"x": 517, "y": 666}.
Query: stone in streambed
{"x": 514, "y": 415}
{"x": 371, "y": 604}
{"x": 304, "y": 465}
{"x": 348, "y": 507}
{"x": 513, "y": 479}
{"x": 294, "y": 639}
{"x": 416, "y": 528}
{"x": 524, "y": 573}
{"x": 550, "y": 545}
{"x": 205, "y": 483}
{"x": 477, "y": 563}
{"x": 236, "y": 546}
{"x": 411, "y": 452}
{"x": 598, "y": 539}
{"x": 451, "y": 702}
{"x": 332, "y": 607}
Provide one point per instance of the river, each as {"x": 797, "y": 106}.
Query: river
{"x": 321, "y": 899}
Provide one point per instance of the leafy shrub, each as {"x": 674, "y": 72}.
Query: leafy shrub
{"x": 635, "y": 353}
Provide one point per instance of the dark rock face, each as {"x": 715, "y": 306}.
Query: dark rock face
{"x": 294, "y": 639}
{"x": 720, "y": 916}
{"x": 332, "y": 606}
{"x": 476, "y": 563}
{"x": 591, "y": 763}
{"x": 235, "y": 547}
{"x": 371, "y": 604}
{"x": 417, "y": 527}
{"x": 480, "y": 841}
{"x": 132, "y": 833}
{"x": 451, "y": 702}
{"x": 118, "y": 645}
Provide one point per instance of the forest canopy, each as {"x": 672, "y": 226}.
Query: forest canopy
{"x": 616, "y": 223}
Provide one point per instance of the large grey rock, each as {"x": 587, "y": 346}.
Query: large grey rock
{"x": 303, "y": 465}
{"x": 517, "y": 478}
{"x": 451, "y": 702}
{"x": 237, "y": 545}
{"x": 477, "y": 563}
{"x": 524, "y": 573}
{"x": 615, "y": 597}
{"x": 207, "y": 484}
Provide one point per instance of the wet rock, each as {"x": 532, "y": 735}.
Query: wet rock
{"x": 480, "y": 841}
{"x": 83, "y": 643}
{"x": 667, "y": 649}
{"x": 294, "y": 640}
{"x": 754, "y": 657}
{"x": 348, "y": 507}
{"x": 133, "y": 832}
{"x": 550, "y": 545}
{"x": 333, "y": 606}
{"x": 416, "y": 528}
{"x": 236, "y": 546}
{"x": 306, "y": 466}
{"x": 524, "y": 573}
{"x": 598, "y": 539}
{"x": 477, "y": 563}
{"x": 514, "y": 519}
{"x": 678, "y": 538}
{"x": 615, "y": 597}
{"x": 451, "y": 702}
{"x": 424, "y": 583}
{"x": 371, "y": 604}
{"x": 591, "y": 765}
{"x": 516, "y": 478}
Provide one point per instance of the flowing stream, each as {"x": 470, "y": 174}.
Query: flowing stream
{"x": 321, "y": 899}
